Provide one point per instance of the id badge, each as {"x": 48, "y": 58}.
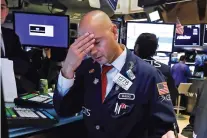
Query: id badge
{"x": 122, "y": 81}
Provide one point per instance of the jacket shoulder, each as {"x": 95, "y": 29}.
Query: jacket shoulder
{"x": 145, "y": 67}
{"x": 8, "y": 31}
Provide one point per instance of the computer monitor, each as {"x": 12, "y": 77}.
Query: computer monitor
{"x": 118, "y": 24}
{"x": 164, "y": 33}
{"x": 192, "y": 69}
{"x": 42, "y": 30}
{"x": 176, "y": 56}
{"x": 164, "y": 60}
{"x": 190, "y": 37}
{"x": 205, "y": 35}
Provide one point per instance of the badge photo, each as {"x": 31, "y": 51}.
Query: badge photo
{"x": 130, "y": 74}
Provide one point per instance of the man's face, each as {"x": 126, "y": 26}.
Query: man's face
{"x": 4, "y": 11}
{"x": 104, "y": 50}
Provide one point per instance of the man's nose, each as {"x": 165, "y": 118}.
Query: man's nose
{"x": 93, "y": 51}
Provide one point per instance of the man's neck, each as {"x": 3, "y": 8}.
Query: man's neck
{"x": 120, "y": 49}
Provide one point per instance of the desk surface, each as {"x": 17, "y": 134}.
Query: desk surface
{"x": 22, "y": 131}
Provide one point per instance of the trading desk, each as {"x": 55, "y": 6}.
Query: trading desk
{"x": 29, "y": 131}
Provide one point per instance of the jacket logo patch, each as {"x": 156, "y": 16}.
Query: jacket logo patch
{"x": 126, "y": 96}
{"x": 86, "y": 111}
{"x": 120, "y": 108}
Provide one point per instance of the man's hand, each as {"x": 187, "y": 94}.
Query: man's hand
{"x": 80, "y": 48}
{"x": 170, "y": 134}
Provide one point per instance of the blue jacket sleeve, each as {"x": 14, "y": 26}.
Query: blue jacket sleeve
{"x": 72, "y": 102}
{"x": 162, "y": 115}
{"x": 188, "y": 72}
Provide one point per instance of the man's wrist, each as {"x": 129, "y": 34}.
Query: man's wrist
{"x": 67, "y": 74}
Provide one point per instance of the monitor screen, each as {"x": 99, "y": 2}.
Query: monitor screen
{"x": 175, "y": 57}
{"x": 164, "y": 60}
{"x": 164, "y": 32}
{"x": 118, "y": 24}
{"x": 190, "y": 37}
{"x": 42, "y": 30}
{"x": 205, "y": 35}
{"x": 192, "y": 69}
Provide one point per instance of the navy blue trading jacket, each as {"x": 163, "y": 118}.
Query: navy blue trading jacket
{"x": 139, "y": 112}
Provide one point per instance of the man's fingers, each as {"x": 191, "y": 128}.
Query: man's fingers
{"x": 84, "y": 47}
{"x": 165, "y": 136}
{"x": 181, "y": 136}
{"x": 87, "y": 50}
{"x": 170, "y": 134}
{"x": 84, "y": 41}
{"x": 80, "y": 38}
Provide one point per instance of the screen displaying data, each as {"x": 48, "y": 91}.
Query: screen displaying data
{"x": 192, "y": 69}
{"x": 164, "y": 60}
{"x": 164, "y": 33}
{"x": 42, "y": 30}
{"x": 190, "y": 37}
{"x": 175, "y": 57}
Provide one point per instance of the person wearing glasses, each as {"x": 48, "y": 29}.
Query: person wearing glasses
{"x": 11, "y": 48}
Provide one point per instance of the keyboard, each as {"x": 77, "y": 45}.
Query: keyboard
{"x": 34, "y": 100}
{"x": 18, "y": 117}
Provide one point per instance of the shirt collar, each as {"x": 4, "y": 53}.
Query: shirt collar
{"x": 120, "y": 61}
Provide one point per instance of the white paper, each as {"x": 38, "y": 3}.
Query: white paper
{"x": 8, "y": 80}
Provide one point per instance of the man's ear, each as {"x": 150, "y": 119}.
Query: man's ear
{"x": 115, "y": 31}
{"x": 7, "y": 11}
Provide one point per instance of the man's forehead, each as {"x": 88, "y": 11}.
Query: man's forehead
{"x": 94, "y": 31}
{"x": 3, "y": 2}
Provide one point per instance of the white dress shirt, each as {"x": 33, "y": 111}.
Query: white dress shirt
{"x": 65, "y": 84}
{"x": 2, "y": 42}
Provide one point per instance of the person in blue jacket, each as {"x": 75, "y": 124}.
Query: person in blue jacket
{"x": 181, "y": 72}
{"x": 120, "y": 95}
{"x": 145, "y": 47}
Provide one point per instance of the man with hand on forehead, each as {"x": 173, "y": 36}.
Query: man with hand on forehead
{"x": 118, "y": 93}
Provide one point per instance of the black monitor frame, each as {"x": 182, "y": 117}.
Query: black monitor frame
{"x": 153, "y": 23}
{"x": 47, "y": 14}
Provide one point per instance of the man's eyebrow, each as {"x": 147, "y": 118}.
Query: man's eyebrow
{"x": 3, "y": 5}
{"x": 97, "y": 38}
